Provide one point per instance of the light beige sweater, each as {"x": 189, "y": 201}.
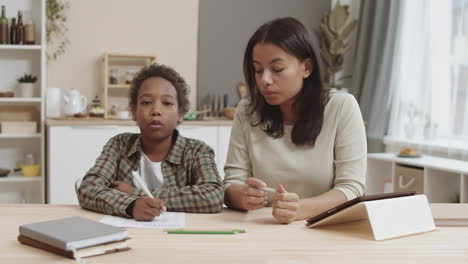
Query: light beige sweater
{"x": 337, "y": 161}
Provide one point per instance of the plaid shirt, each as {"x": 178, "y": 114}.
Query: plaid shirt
{"x": 192, "y": 182}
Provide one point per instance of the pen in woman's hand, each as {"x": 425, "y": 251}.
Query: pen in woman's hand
{"x": 266, "y": 189}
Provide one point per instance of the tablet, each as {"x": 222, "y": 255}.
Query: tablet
{"x": 354, "y": 201}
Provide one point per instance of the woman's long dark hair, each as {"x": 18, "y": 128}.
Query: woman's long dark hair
{"x": 290, "y": 35}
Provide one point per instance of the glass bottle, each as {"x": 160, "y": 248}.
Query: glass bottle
{"x": 29, "y": 38}
{"x": 3, "y": 27}
{"x": 13, "y": 31}
{"x": 20, "y": 29}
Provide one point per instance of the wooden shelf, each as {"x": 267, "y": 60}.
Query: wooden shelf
{"x": 118, "y": 86}
{"x": 121, "y": 61}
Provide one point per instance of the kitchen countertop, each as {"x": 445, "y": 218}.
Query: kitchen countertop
{"x": 129, "y": 122}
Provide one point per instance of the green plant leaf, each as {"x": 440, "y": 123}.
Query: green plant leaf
{"x": 56, "y": 28}
{"x": 336, "y": 47}
{"x": 326, "y": 32}
{"x": 326, "y": 57}
{"x": 338, "y": 17}
{"x": 348, "y": 29}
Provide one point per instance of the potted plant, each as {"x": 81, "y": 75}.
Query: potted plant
{"x": 26, "y": 85}
{"x": 335, "y": 28}
{"x": 414, "y": 117}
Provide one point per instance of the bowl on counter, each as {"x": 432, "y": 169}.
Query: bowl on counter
{"x": 4, "y": 172}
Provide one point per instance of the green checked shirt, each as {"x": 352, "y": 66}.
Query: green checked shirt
{"x": 192, "y": 182}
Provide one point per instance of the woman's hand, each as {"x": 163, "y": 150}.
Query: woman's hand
{"x": 247, "y": 198}
{"x": 286, "y": 206}
{"x": 123, "y": 187}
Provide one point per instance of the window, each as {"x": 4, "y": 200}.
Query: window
{"x": 430, "y": 74}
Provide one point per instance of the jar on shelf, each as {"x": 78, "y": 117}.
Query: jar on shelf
{"x": 129, "y": 76}
{"x": 114, "y": 109}
{"x": 114, "y": 76}
{"x": 95, "y": 108}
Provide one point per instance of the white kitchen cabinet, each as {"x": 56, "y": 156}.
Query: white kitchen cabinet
{"x": 71, "y": 152}
{"x": 15, "y": 61}
{"x": 73, "y": 149}
{"x": 216, "y": 136}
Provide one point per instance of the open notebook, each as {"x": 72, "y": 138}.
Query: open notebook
{"x": 74, "y": 237}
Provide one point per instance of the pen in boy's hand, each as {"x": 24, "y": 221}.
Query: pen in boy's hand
{"x": 266, "y": 189}
{"x": 142, "y": 185}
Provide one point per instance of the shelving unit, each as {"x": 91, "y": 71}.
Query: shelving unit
{"x": 118, "y": 92}
{"x": 444, "y": 180}
{"x": 16, "y": 60}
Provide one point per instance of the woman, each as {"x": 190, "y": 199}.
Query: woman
{"x": 291, "y": 133}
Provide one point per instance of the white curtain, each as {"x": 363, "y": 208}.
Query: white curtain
{"x": 429, "y": 81}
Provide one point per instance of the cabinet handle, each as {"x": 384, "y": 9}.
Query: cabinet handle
{"x": 404, "y": 186}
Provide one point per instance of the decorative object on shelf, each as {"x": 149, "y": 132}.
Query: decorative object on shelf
{"x": 26, "y": 85}
{"x": 56, "y": 29}
{"x": 3, "y": 27}
{"x": 335, "y": 28}
{"x": 29, "y": 168}
{"x": 20, "y": 29}
{"x": 4, "y": 172}
{"x": 114, "y": 76}
{"x": 129, "y": 75}
{"x": 123, "y": 115}
{"x": 13, "y": 31}
{"x": 430, "y": 129}
{"x": 7, "y": 94}
{"x": 114, "y": 109}
{"x": 95, "y": 109}
{"x": 75, "y": 103}
{"x": 414, "y": 115}
{"x": 229, "y": 112}
{"x": 242, "y": 89}
{"x": 29, "y": 31}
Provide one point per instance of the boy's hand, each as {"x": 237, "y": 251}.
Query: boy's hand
{"x": 146, "y": 208}
{"x": 123, "y": 187}
{"x": 286, "y": 206}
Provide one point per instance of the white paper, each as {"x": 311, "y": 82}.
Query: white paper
{"x": 165, "y": 220}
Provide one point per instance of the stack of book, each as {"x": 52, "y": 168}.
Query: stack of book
{"x": 74, "y": 237}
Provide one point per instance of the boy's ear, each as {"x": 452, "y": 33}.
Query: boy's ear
{"x": 180, "y": 117}
{"x": 308, "y": 67}
{"x": 134, "y": 115}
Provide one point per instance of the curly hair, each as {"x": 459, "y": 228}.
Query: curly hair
{"x": 165, "y": 72}
{"x": 292, "y": 36}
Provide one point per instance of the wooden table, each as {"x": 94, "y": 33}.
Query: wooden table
{"x": 265, "y": 241}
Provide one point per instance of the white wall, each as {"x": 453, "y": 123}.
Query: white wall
{"x": 168, "y": 29}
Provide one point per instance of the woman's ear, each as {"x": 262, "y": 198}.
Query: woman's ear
{"x": 134, "y": 115}
{"x": 308, "y": 67}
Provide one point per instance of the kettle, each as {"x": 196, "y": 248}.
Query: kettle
{"x": 74, "y": 102}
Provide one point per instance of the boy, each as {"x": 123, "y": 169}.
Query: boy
{"x": 180, "y": 172}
